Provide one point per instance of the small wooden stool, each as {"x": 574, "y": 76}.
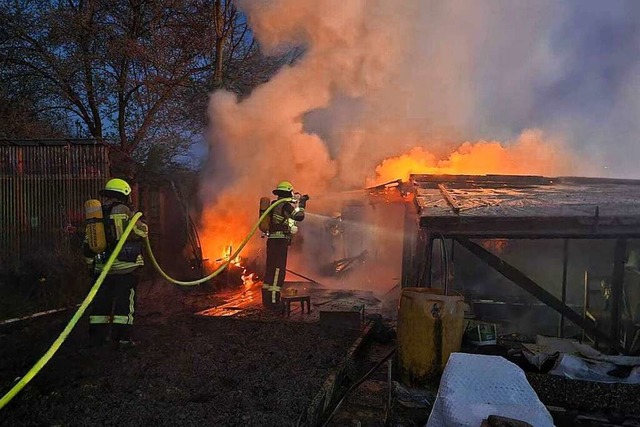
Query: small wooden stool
{"x": 287, "y": 300}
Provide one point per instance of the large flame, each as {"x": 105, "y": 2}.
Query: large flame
{"x": 373, "y": 81}
{"x": 222, "y": 229}
{"x": 530, "y": 154}
{"x": 224, "y": 232}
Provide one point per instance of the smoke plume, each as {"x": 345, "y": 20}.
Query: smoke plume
{"x": 489, "y": 86}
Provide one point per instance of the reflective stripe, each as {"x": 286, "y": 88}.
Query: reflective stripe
{"x": 278, "y": 235}
{"x": 276, "y": 276}
{"x": 99, "y": 320}
{"x": 119, "y": 220}
{"x": 132, "y": 294}
{"x": 296, "y": 211}
{"x": 121, "y": 320}
{"x": 275, "y": 288}
{"x": 118, "y": 319}
{"x": 122, "y": 266}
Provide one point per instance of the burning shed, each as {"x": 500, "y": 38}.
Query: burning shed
{"x": 529, "y": 247}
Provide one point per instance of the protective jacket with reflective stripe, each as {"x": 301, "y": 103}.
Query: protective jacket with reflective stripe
{"x": 130, "y": 257}
{"x": 283, "y": 217}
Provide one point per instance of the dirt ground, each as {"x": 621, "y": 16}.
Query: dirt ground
{"x": 184, "y": 371}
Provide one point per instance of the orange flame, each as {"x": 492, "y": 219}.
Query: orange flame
{"x": 529, "y": 154}
{"x": 228, "y": 221}
{"x": 224, "y": 225}
{"x": 227, "y": 252}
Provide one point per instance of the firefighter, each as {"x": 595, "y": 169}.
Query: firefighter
{"x": 114, "y": 304}
{"x": 282, "y": 227}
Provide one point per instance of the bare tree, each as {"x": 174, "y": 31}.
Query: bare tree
{"x": 113, "y": 65}
{"x": 20, "y": 117}
{"x": 237, "y": 62}
{"x": 132, "y": 72}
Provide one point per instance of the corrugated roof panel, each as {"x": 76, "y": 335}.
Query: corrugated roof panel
{"x": 561, "y": 197}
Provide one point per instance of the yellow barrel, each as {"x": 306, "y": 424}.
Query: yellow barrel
{"x": 430, "y": 328}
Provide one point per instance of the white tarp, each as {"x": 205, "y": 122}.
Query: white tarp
{"x": 576, "y": 368}
{"x": 551, "y": 345}
{"x": 581, "y": 362}
{"x": 476, "y": 386}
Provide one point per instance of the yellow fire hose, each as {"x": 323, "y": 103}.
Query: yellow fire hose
{"x": 226, "y": 263}
{"x": 72, "y": 323}
{"x": 35, "y": 369}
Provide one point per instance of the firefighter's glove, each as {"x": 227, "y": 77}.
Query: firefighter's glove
{"x": 303, "y": 201}
{"x": 293, "y": 228}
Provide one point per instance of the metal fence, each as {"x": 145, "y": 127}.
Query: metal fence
{"x": 43, "y": 186}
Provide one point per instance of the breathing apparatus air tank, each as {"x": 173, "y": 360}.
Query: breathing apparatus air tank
{"x": 266, "y": 221}
{"x": 96, "y": 237}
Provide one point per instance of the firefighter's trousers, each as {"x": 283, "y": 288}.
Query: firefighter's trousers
{"x": 114, "y": 305}
{"x": 277, "y": 249}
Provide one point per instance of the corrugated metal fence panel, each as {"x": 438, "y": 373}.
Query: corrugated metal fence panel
{"x": 42, "y": 192}
{"x": 148, "y": 201}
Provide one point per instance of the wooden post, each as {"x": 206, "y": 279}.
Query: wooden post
{"x": 453, "y": 203}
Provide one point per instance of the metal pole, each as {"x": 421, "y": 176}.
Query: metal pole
{"x": 408, "y": 246}
{"x": 452, "y": 263}
{"x": 617, "y": 284}
{"x": 585, "y": 302}
{"x": 565, "y": 262}
{"x": 523, "y": 281}
{"x": 429, "y": 261}
{"x": 425, "y": 246}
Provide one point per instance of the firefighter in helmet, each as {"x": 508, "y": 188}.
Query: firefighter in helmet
{"x": 114, "y": 304}
{"x": 282, "y": 227}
